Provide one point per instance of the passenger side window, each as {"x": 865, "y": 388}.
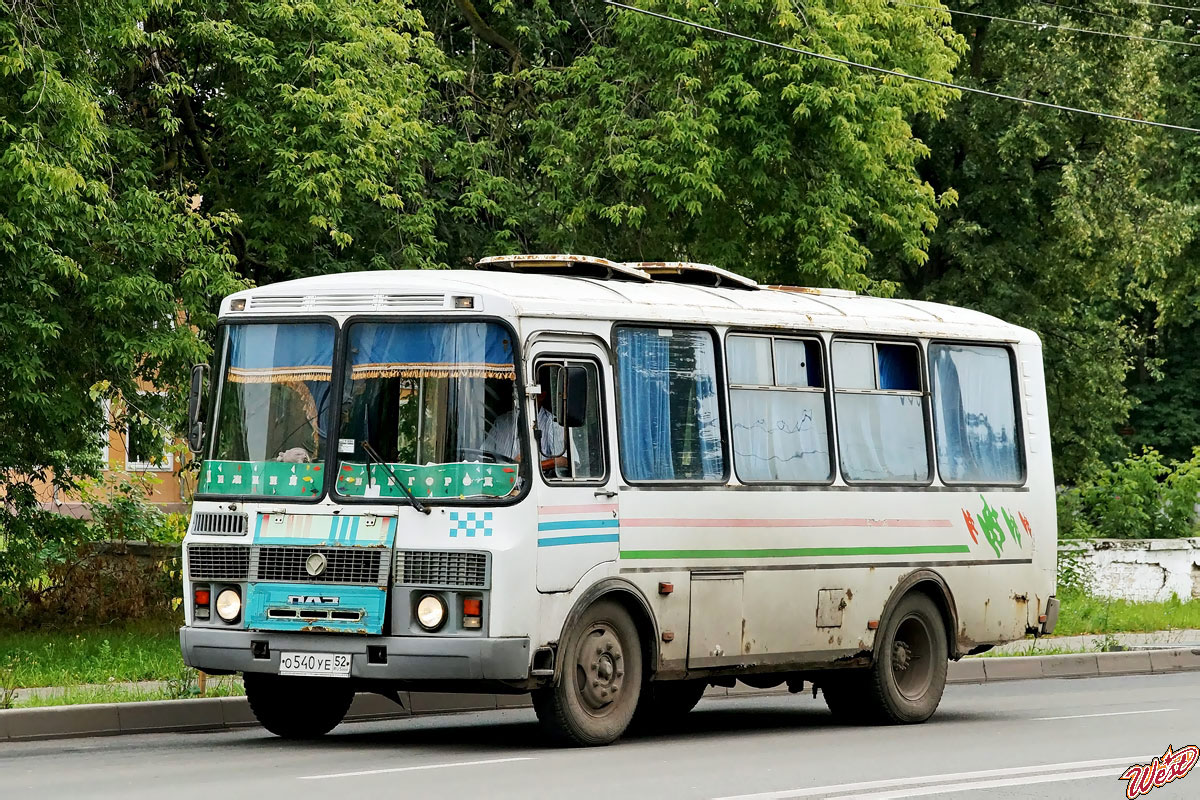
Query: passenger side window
{"x": 670, "y": 415}
{"x": 880, "y": 411}
{"x": 569, "y": 428}
{"x": 777, "y": 409}
{"x": 975, "y": 414}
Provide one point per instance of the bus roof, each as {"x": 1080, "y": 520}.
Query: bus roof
{"x": 533, "y": 295}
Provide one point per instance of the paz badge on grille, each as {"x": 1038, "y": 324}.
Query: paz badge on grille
{"x": 315, "y": 564}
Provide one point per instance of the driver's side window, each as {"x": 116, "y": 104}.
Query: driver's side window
{"x": 569, "y": 428}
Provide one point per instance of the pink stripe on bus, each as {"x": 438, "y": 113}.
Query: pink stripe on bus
{"x": 587, "y": 508}
{"x": 666, "y": 522}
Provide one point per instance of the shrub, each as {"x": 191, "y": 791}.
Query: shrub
{"x": 1140, "y": 497}
{"x": 58, "y": 569}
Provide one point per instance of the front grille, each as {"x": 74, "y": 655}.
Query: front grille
{"x": 343, "y": 565}
{"x": 314, "y": 613}
{"x": 218, "y": 562}
{"x": 219, "y": 523}
{"x": 441, "y": 568}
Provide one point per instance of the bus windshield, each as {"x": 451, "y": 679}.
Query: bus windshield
{"x": 273, "y": 410}
{"x": 436, "y": 401}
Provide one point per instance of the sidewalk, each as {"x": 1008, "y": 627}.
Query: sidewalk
{"x": 1092, "y": 642}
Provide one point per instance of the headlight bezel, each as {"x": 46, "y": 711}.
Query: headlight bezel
{"x": 220, "y": 605}
{"x": 436, "y": 603}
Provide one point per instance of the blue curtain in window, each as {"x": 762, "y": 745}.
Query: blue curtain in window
{"x": 643, "y": 359}
{"x": 271, "y": 353}
{"x": 296, "y": 355}
{"x": 430, "y": 350}
{"x": 898, "y": 370}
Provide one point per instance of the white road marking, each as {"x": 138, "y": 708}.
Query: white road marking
{"x": 1032, "y": 769}
{"x": 968, "y": 786}
{"x": 1109, "y": 714}
{"x": 413, "y": 769}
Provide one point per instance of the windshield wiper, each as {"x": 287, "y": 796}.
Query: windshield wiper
{"x": 371, "y": 454}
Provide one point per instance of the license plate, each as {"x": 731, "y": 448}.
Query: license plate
{"x": 325, "y": 665}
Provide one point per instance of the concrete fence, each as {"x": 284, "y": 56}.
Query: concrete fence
{"x": 1138, "y": 569}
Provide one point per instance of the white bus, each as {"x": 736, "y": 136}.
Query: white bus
{"x": 610, "y": 485}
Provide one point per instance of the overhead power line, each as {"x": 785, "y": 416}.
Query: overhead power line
{"x": 1044, "y": 25}
{"x": 895, "y": 74}
{"x": 1079, "y": 10}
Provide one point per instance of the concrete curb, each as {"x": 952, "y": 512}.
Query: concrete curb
{"x": 223, "y": 713}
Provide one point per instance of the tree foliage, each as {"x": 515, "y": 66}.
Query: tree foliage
{"x": 156, "y": 154}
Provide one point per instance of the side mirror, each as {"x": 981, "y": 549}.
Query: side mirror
{"x": 196, "y": 408}
{"x": 575, "y": 401}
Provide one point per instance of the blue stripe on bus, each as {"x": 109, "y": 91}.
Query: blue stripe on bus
{"x": 587, "y": 539}
{"x": 575, "y": 524}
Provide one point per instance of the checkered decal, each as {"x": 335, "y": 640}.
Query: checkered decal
{"x": 470, "y": 523}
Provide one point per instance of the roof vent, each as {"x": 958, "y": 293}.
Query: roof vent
{"x": 275, "y": 302}
{"x": 569, "y": 265}
{"x": 695, "y": 274}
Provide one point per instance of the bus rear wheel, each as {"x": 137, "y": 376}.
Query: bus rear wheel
{"x": 598, "y": 690}
{"x": 297, "y": 708}
{"x": 904, "y": 685}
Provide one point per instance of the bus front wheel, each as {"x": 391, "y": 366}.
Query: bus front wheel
{"x": 298, "y": 708}
{"x": 905, "y": 682}
{"x": 597, "y": 692}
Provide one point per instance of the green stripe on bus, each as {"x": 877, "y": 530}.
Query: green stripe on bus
{"x": 803, "y": 552}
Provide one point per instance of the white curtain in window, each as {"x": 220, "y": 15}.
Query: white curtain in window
{"x": 779, "y": 435}
{"x": 749, "y": 360}
{"x": 974, "y": 414}
{"x": 882, "y": 437}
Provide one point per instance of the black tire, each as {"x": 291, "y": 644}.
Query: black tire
{"x": 663, "y": 703}
{"x": 905, "y": 683}
{"x": 846, "y": 696}
{"x": 600, "y": 682}
{"x": 298, "y": 708}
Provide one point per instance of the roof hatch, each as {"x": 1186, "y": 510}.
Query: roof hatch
{"x": 568, "y": 265}
{"x": 810, "y": 290}
{"x": 695, "y": 274}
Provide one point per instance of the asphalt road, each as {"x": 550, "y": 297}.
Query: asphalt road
{"x": 1025, "y": 739}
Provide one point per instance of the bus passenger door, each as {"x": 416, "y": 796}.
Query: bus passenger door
{"x": 578, "y": 525}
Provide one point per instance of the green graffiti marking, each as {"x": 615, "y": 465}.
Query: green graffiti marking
{"x": 989, "y": 525}
{"x": 1013, "y": 531}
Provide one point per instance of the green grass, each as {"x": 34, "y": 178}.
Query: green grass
{"x": 1081, "y": 614}
{"x": 120, "y": 652}
{"x": 182, "y": 689}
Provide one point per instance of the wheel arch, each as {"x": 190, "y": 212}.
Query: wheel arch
{"x": 928, "y": 582}
{"x": 631, "y": 598}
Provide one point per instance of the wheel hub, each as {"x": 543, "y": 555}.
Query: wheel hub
{"x": 599, "y": 668}
{"x": 901, "y": 657}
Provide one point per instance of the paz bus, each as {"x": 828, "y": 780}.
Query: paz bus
{"x": 610, "y": 485}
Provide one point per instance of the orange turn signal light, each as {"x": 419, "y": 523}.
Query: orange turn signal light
{"x": 472, "y": 607}
{"x": 203, "y": 596}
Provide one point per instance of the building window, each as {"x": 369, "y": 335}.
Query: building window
{"x": 777, "y": 409}
{"x": 975, "y": 414}
{"x": 880, "y": 412}
{"x": 146, "y": 441}
{"x": 670, "y": 415}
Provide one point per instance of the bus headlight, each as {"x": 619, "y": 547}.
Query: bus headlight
{"x": 229, "y": 605}
{"x": 431, "y": 612}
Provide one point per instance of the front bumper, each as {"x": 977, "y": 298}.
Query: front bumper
{"x": 408, "y": 657}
